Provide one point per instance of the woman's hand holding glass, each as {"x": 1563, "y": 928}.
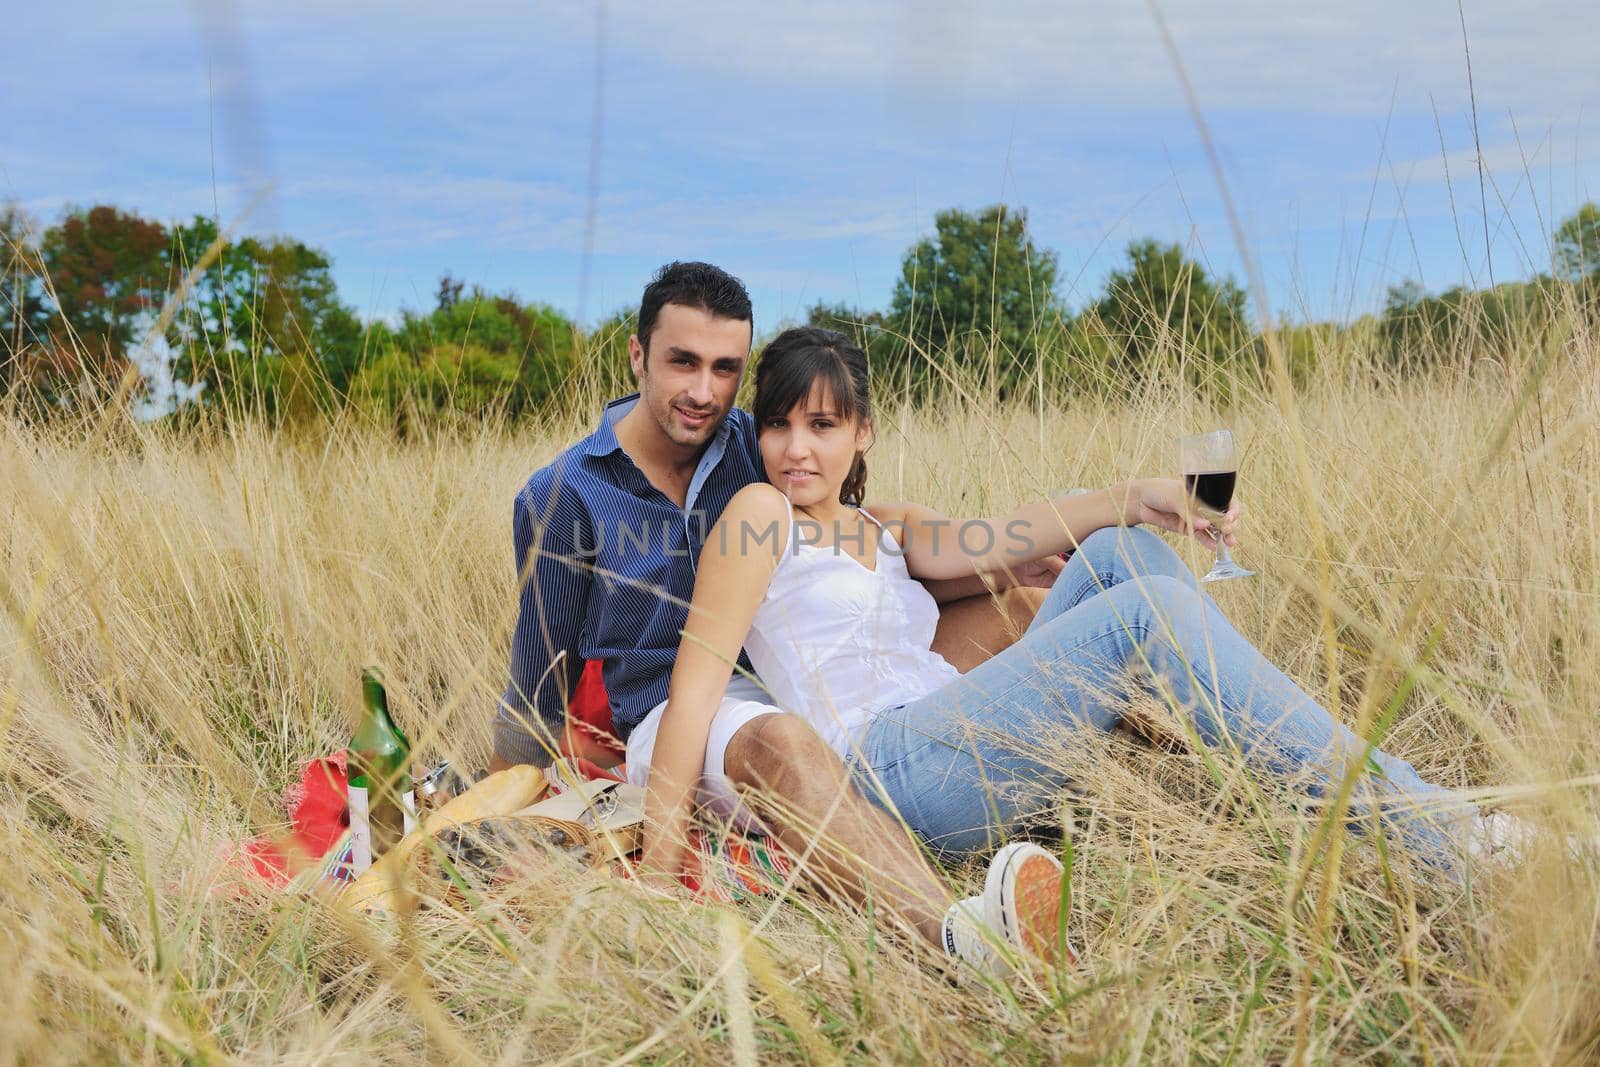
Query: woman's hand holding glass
{"x": 1210, "y": 465}
{"x": 1167, "y": 504}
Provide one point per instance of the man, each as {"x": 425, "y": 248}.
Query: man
{"x": 607, "y": 537}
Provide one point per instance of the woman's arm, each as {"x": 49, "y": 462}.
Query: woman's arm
{"x": 734, "y": 571}
{"x": 939, "y": 547}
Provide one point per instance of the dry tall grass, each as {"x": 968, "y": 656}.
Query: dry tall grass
{"x": 183, "y": 619}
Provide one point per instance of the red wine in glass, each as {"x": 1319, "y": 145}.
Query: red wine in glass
{"x": 1210, "y": 464}
{"x": 1214, "y": 489}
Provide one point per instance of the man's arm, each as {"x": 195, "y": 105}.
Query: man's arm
{"x": 948, "y": 590}
{"x": 554, "y": 582}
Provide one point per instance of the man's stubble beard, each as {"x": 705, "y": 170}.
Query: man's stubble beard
{"x": 666, "y": 420}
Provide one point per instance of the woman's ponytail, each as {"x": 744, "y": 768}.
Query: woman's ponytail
{"x": 854, "y": 489}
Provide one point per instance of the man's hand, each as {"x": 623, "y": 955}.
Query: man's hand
{"x": 1038, "y": 573}
{"x": 1166, "y": 502}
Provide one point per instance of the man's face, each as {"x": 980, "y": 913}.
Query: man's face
{"x": 688, "y": 382}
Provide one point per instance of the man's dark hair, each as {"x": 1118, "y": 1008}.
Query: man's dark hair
{"x": 692, "y": 285}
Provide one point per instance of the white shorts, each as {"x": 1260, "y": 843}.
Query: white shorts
{"x": 744, "y": 702}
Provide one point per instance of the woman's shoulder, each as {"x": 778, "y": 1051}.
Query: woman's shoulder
{"x": 897, "y": 510}
{"x": 908, "y": 520}
{"x": 760, "y": 513}
{"x": 758, "y": 499}
{"x": 892, "y": 515}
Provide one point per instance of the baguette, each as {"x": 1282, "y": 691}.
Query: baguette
{"x": 381, "y": 888}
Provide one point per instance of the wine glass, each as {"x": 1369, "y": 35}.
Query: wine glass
{"x": 1210, "y": 465}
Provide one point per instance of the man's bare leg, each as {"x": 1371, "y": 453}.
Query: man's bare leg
{"x": 801, "y": 790}
{"x": 977, "y": 627}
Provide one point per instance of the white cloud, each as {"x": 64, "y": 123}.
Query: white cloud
{"x": 1532, "y": 57}
{"x": 1249, "y": 54}
{"x": 404, "y": 131}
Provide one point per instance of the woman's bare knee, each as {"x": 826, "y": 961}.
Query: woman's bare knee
{"x": 780, "y": 753}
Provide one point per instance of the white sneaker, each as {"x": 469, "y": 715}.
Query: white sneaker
{"x": 1017, "y": 917}
{"x": 1500, "y": 837}
{"x": 966, "y": 939}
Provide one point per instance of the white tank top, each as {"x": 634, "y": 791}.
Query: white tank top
{"x": 837, "y": 643}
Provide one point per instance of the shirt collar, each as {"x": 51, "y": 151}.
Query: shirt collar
{"x": 604, "y": 441}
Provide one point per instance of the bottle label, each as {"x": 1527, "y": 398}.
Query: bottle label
{"x": 360, "y": 831}
{"x": 408, "y": 807}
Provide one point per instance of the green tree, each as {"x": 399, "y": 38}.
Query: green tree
{"x": 539, "y": 342}
{"x": 107, "y": 273}
{"x": 1420, "y": 330}
{"x": 603, "y": 367}
{"x": 263, "y": 324}
{"x": 1577, "y": 245}
{"x": 1413, "y": 322}
{"x": 876, "y": 333}
{"x": 475, "y": 351}
{"x": 979, "y": 284}
{"x": 1164, "y": 306}
{"x": 23, "y": 316}
{"x": 862, "y": 326}
{"x": 404, "y": 386}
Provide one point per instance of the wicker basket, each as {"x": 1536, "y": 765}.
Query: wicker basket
{"x": 490, "y": 852}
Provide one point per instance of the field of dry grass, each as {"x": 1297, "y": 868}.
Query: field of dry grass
{"x": 183, "y": 618}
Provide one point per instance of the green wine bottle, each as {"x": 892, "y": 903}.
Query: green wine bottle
{"x": 381, "y": 807}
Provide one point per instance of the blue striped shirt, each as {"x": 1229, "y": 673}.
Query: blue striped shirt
{"x": 609, "y": 563}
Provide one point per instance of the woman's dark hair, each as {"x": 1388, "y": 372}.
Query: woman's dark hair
{"x": 692, "y": 285}
{"x": 794, "y": 363}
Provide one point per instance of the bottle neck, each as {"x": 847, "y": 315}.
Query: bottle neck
{"x": 376, "y": 701}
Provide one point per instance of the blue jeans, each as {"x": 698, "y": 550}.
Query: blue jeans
{"x": 964, "y": 765}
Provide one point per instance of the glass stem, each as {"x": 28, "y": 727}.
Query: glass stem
{"x": 1223, "y": 555}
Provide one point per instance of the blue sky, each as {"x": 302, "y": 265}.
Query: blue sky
{"x": 805, "y": 147}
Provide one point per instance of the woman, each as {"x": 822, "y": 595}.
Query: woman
{"x": 824, "y": 596}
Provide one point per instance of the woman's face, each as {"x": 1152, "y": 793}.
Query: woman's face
{"x": 808, "y": 453}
